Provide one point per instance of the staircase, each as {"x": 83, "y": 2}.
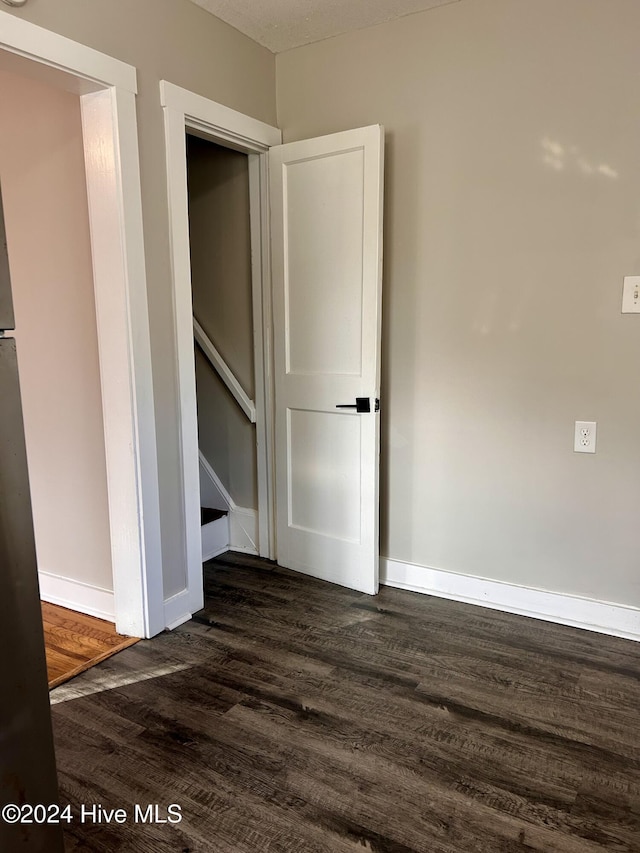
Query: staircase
{"x": 215, "y": 532}
{"x": 234, "y": 527}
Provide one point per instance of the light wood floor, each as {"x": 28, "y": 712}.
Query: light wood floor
{"x": 295, "y": 716}
{"x": 75, "y": 642}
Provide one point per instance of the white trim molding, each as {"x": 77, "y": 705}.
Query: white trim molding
{"x": 243, "y": 530}
{"x": 224, "y": 371}
{"x": 178, "y": 610}
{"x": 115, "y": 218}
{"x": 58, "y": 52}
{"x": 215, "y": 119}
{"x": 184, "y": 110}
{"x": 603, "y": 617}
{"x": 78, "y": 596}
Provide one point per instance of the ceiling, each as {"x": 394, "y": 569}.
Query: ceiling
{"x": 282, "y": 24}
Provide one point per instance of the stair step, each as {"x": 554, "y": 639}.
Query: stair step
{"x": 207, "y": 514}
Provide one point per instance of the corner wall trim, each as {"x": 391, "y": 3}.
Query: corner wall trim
{"x": 603, "y": 617}
{"x": 78, "y": 596}
{"x": 243, "y": 530}
{"x": 177, "y": 609}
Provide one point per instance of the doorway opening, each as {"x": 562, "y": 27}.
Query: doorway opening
{"x": 44, "y": 198}
{"x": 212, "y": 132}
{"x": 45, "y": 219}
{"x": 316, "y": 340}
{"x": 221, "y": 285}
{"x": 98, "y": 94}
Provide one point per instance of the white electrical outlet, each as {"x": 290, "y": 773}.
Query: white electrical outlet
{"x": 585, "y": 437}
{"x": 631, "y": 294}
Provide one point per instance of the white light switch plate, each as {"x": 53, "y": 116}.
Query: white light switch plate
{"x": 585, "y": 437}
{"x": 631, "y": 294}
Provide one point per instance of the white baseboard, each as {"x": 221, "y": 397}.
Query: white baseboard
{"x": 603, "y": 617}
{"x": 243, "y": 530}
{"x": 78, "y": 596}
{"x": 215, "y": 538}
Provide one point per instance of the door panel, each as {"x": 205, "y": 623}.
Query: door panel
{"x": 326, "y": 207}
{"x": 323, "y": 277}
{"x": 324, "y": 493}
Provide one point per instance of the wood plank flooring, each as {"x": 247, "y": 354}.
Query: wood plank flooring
{"x": 296, "y": 716}
{"x": 74, "y": 642}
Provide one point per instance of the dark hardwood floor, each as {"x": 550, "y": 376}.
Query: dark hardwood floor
{"x": 296, "y": 716}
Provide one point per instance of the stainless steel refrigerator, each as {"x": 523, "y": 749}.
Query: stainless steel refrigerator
{"x": 27, "y": 764}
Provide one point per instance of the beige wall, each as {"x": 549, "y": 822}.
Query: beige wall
{"x": 512, "y": 199}
{"x": 45, "y": 200}
{"x": 180, "y": 42}
{"x": 220, "y": 239}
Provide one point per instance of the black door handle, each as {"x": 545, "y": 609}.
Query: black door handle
{"x": 361, "y": 405}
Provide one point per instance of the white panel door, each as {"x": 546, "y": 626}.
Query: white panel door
{"x": 326, "y": 220}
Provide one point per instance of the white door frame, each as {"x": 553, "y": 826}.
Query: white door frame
{"x": 185, "y": 110}
{"x": 107, "y": 89}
